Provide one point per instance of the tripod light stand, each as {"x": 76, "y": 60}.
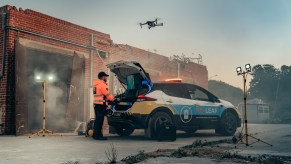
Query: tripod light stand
{"x": 245, "y": 138}
{"x": 43, "y": 131}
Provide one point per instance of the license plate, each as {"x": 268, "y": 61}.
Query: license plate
{"x": 118, "y": 114}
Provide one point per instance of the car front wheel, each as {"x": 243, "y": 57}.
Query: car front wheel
{"x": 228, "y": 124}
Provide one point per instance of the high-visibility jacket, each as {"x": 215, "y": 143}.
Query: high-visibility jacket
{"x": 101, "y": 93}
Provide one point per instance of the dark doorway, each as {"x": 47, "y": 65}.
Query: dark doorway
{"x": 56, "y": 69}
{"x": 64, "y": 75}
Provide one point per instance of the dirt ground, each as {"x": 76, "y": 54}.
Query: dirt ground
{"x": 71, "y": 148}
{"x": 221, "y": 151}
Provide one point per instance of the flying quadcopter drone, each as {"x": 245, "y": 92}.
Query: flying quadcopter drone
{"x": 151, "y": 24}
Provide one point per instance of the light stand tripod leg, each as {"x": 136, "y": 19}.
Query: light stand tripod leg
{"x": 259, "y": 140}
{"x": 247, "y": 144}
{"x": 48, "y": 131}
{"x": 241, "y": 141}
{"x": 34, "y": 134}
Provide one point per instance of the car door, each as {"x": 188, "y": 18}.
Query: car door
{"x": 206, "y": 103}
{"x": 207, "y": 107}
{"x": 177, "y": 99}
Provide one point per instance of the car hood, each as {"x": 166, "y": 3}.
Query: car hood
{"x": 123, "y": 69}
{"x": 227, "y": 104}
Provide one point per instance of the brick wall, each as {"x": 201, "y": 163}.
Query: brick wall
{"x": 158, "y": 66}
{"x": 46, "y": 25}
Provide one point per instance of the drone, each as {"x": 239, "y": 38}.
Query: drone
{"x": 151, "y": 24}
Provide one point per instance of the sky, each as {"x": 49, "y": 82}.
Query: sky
{"x": 227, "y": 33}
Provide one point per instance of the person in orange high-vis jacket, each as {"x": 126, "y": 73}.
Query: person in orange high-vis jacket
{"x": 101, "y": 98}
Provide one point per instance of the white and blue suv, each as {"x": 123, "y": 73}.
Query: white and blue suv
{"x": 146, "y": 105}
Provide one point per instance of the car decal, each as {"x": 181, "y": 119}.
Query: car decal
{"x": 196, "y": 110}
{"x": 176, "y": 109}
{"x": 186, "y": 114}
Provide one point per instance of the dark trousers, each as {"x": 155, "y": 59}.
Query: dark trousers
{"x": 99, "y": 119}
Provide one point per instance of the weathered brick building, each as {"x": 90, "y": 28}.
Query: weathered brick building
{"x": 160, "y": 67}
{"x": 34, "y": 44}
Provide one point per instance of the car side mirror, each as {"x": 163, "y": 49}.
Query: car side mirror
{"x": 216, "y": 100}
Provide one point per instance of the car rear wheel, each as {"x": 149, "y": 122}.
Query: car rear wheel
{"x": 228, "y": 124}
{"x": 158, "y": 119}
{"x": 124, "y": 130}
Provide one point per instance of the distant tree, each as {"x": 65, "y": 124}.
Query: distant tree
{"x": 225, "y": 91}
{"x": 273, "y": 86}
{"x": 264, "y": 83}
{"x": 283, "y": 90}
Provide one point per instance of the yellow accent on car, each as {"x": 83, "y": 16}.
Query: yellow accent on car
{"x": 146, "y": 107}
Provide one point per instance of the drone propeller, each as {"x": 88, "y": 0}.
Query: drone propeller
{"x": 157, "y": 20}
{"x": 160, "y": 24}
{"x": 140, "y": 24}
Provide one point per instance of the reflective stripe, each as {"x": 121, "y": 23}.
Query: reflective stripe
{"x": 124, "y": 103}
{"x": 99, "y": 95}
{"x": 99, "y": 100}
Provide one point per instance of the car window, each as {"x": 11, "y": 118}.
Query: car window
{"x": 156, "y": 87}
{"x": 175, "y": 90}
{"x": 196, "y": 93}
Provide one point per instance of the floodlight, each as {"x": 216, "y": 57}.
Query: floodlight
{"x": 238, "y": 70}
{"x": 37, "y": 77}
{"x": 50, "y": 77}
{"x": 248, "y": 68}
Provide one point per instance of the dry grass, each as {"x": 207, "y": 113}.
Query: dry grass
{"x": 111, "y": 154}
